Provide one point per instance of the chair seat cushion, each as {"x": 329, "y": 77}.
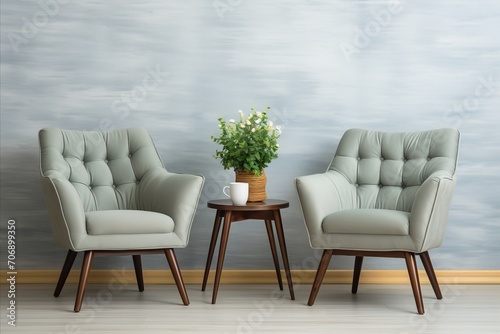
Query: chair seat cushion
{"x": 108, "y": 222}
{"x": 368, "y": 221}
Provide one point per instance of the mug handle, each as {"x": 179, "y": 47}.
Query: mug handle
{"x": 224, "y": 191}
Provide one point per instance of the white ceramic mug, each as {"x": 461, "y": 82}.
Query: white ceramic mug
{"x": 238, "y": 192}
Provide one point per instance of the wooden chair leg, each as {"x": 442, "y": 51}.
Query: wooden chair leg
{"x": 429, "y": 269}
{"x": 176, "y": 273}
{"x": 356, "y": 273}
{"x": 68, "y": 263}
{"x": 138, "y": 272}
{"x": 411, "y": 264}
{"x": 272, "y": 243}
{"x": 84, "y": 275}
{"x": 320, "y": 274}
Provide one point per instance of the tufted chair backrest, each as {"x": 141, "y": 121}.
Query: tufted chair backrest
{"x": 104, "y": 167}
{"x": 386, "y": 169}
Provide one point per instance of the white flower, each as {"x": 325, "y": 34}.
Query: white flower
{"x": 270, "y": 123}
{"x": 253, "y": 130}
{"x": 242, "y": 125}
{"x": 259, "y": 114}
{"x": 257, "y": 121}
{"x": 232, "y": 121}
{"x": 248, "y": 122}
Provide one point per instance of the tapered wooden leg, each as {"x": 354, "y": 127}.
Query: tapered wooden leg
{"x": 138, "y": 272}
{"x": 176, "y": 273}
{"x": 84, "y": 275}
{"x": 213, "y": 241}
{"x": 320, "y": 274}
{"x": 284, "y": 254}
{"x": 272, "y": 243}
{"x": 68, "y": 263}
{"x": 222, "y": 253}
{"x": 429, "y": 269}
{"x": 357, "y": 272}
{"x": 411, "y": 263}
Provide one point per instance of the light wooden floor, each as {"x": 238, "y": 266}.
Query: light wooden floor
{"x": 254, "y": 309}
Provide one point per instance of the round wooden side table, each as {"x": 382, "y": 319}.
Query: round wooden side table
{"x": 268, "y": 210}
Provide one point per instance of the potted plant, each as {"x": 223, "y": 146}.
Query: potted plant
{"x": 248, "y": 146}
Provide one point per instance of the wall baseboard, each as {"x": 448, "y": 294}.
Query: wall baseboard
{"x": 255, "y": 276}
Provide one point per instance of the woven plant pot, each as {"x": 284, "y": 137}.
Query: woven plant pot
{"x": 256, "y": 185}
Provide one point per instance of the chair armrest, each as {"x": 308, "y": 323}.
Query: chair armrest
{"x": 65, "y": 210}
{"x": 321, "y": 195}
{"x": 175, "y": 195}
{"x": 429, "y": 214}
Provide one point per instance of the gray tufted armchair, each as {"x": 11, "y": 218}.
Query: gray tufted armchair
{"x": 384, "y": 194}
{"x": 108, "y": 193}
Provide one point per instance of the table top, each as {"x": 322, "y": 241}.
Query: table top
{"x": 268, "y": 204}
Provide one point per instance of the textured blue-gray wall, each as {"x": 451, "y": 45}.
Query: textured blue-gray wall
{"x": 174, "y": 67}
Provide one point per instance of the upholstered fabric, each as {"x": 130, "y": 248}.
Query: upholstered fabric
{"x": 382, "y": 191}
{"x": 127, "y": 222}
{"x": 367, "y": 221}
{"x": 105, "y": 168}
{"x": 110, "y": 191}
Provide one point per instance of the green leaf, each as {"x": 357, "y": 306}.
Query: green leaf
{"x": 243, "y": 149}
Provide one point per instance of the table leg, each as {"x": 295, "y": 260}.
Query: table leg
{"x": 215, "y": 234}
{"x": 281, "y": 239}
{"x": 272, "y": 243}
{"x": 222, "y": 253}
